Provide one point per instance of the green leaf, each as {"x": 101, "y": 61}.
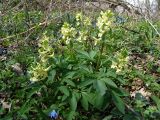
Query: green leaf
{"x": 107, "y": 100}
{"x": 98, "y": 101}
{"x": 131, "y": 117}
{"x": 71, "y": 115}
{"x": 88, "y": 56}
{"x": 73, "y": 103}
{"x": 64, "y": 90}
{"x": 8, "y": 118}
{"x": 52, "y": 107}
{"x": 92, "y": 54}
{"x": 84, "y": 101}
{"x": 26, "y": 107}
{"x": 40, "y": 111}
{"x": 51, "y": 76}
{"x": 158, "y": 70}
{"x": 101, "y": 87}
{"x": 69, "y": 82}
{"x": 64, "y": 97}
{"x": 109, "y": 82}
{"x": 86, "y": 69}
{"x": 70, "y": 74}
{"x": 123, "y": 81}
{"x": 111, "y": 74}
{"x": 83, "y": 54}
{"x": 109, "y": 117}
{"x": 77, "y": 95}
{"x": 120, "y": 92}
{"x": 86, "y": 83}
{"x": 52, "y": 73}
{"x": 91, "y": 98}
{"x": 157, "y": 101}
{"x": 33, "y": 91}
{"x": 118, "y": 102}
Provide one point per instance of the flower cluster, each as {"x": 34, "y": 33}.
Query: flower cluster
{"x": 79, "y": 18}
{"x": 104, "y": 22}
{"x": 82, "y": 36}
{"x": 68, "y": 32}
{"x": 83, "y": 22}
{"x": 45, "y": 50}
{"x": 120, "y": 63}
{"x": 40, "y": 71}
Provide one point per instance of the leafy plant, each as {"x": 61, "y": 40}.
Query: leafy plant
{"x": 78, "y": 67}
{"x": 82, "y": 71}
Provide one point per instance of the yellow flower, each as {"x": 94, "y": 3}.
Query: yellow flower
{"x": 118, "y": 70}
{"x": 40, "y": 71}
{"x": 114, "y": 65}
{"x": 120, "y": 63}
{"x": 87, "y": 21}
{"x": 68, "y": 32}
{"x": 81, "y": 19}
{"x": 79, "y": 16}
{"x": 104, "y": 22}
{"x": 82, "y": 36}
{"x": 33, "y": 79}
{"x": 96, "y": 40}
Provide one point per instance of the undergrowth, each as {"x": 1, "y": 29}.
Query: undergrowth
{"x": 79, "y": 68}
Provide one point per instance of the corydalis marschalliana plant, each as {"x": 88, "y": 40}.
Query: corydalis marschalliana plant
{"x": 40, "y": 71}
{"x": 79, "y": 33}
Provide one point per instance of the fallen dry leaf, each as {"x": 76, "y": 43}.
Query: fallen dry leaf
{"x": 5, "y": 105}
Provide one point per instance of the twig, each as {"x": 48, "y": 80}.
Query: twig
{"x": 134, "y": 31}
{"x": 152, "y": 26}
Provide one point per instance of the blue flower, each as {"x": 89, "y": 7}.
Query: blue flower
{"x": 120, "y": 20}
{"x": 53, "y": 114}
